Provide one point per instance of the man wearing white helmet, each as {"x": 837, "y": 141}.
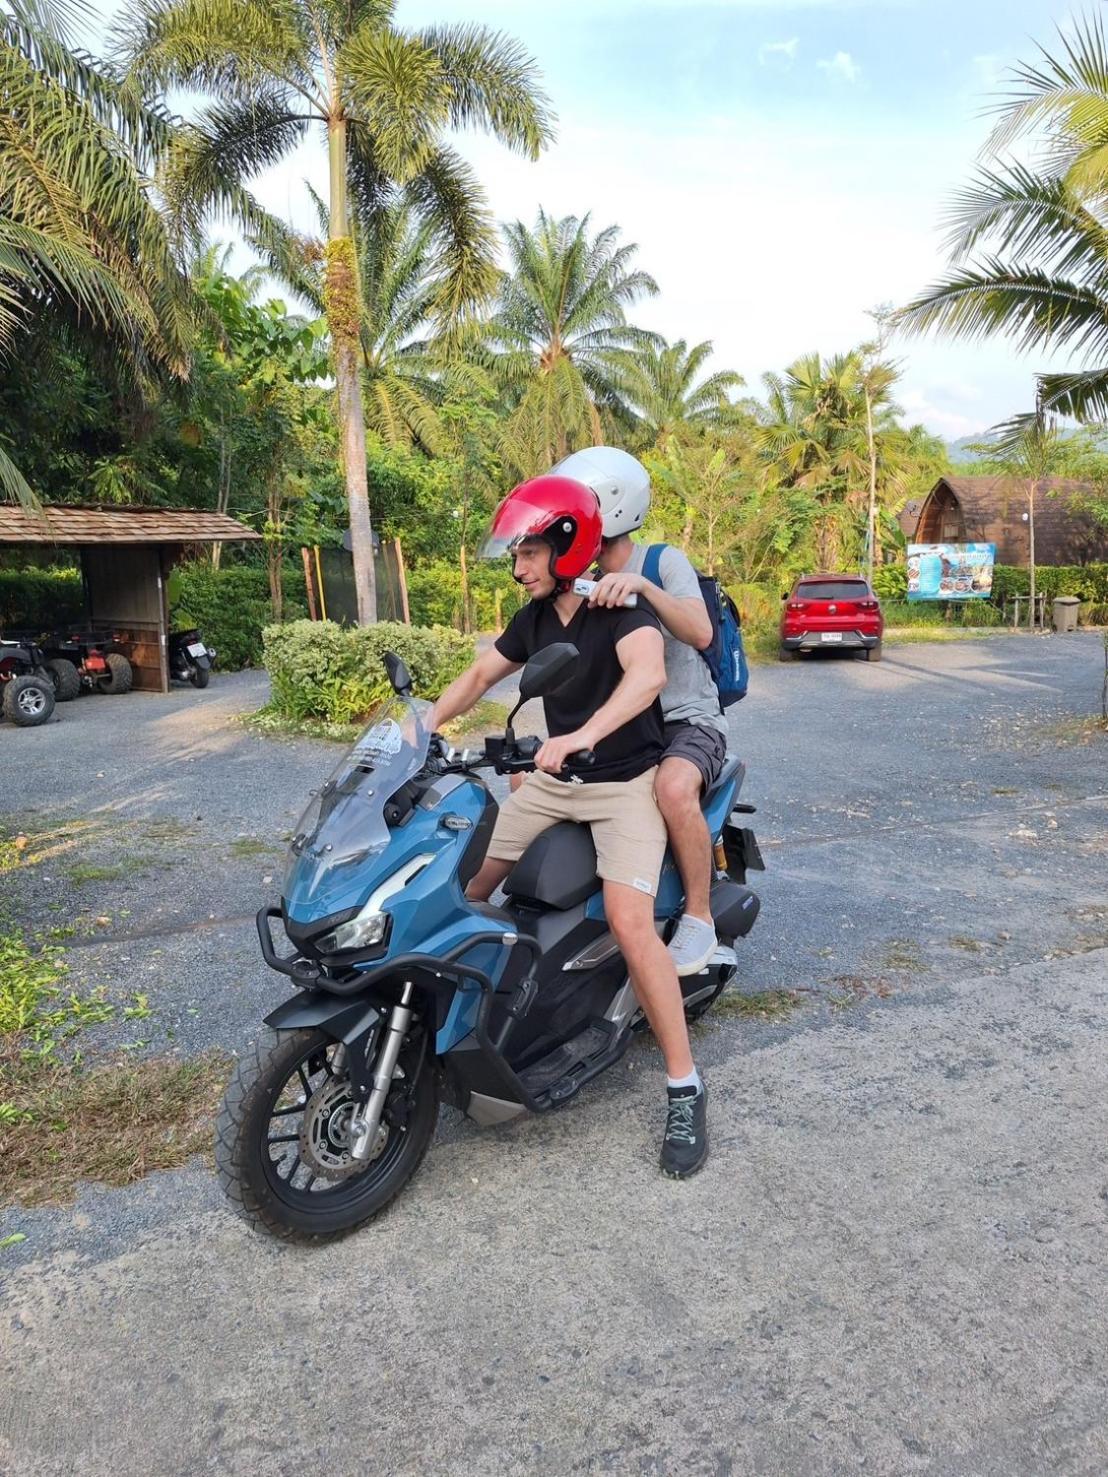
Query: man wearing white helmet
{"x": 695, "y": 728}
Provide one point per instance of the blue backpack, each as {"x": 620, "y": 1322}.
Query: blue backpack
{"x": 725, "y": 656}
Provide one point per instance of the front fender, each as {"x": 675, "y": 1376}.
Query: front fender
{"x": 341, "y": 1017}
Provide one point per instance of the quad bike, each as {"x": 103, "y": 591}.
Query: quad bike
{"x": 84, "y": 659}
{"x": 26, "y": 691}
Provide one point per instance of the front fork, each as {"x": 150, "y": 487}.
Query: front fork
{"x": 367, "y": 1118}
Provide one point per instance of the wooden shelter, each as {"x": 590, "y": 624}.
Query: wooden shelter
{"x": 126, "y": 554}
{"x": 989, "y": 510}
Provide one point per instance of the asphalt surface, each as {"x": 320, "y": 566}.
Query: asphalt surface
{"x": 894, "y": 1261}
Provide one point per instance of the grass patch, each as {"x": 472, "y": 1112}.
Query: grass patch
{"x": 915, "y": 635}
{"x": 963, "y": 941}
{"x": 62, "y": 1121}
{"x": 901, "y": 954}
{"x": 762, "y": 1005}
{"x": 1077, "y": 731}
{"x": 113, "y": 1124}
{"x": 854, "y": 989}
{"x": 131, "y": 866}
{"x": 247, "y": 847}
{"x": 486, "y": 717}
{"x": 1005, "y": 790}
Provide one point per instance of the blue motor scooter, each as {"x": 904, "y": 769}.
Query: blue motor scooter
{"x": 407, "y": 992}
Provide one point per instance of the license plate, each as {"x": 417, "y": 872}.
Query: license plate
{"x": 197, "y": 648}
{"x": 831, "y": 636}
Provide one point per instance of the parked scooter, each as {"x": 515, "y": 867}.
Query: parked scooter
{"x": 190, "y": 659}
{"x": 406, "y": 990}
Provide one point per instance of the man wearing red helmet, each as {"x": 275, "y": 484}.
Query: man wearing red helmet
{"x": 551, "y": 527}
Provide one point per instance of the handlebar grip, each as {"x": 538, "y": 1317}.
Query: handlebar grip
{"x": 584, "y": 758}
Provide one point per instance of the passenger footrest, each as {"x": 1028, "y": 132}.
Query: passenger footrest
{"x": 556, "y": 1077}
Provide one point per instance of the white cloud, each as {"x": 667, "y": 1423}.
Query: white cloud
{"x": 841, "y": 65}
{"x": 779, "y": 53}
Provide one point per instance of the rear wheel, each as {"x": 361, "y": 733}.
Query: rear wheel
{"x": 65, "y": 677}
{"x": 120, "y": 677}
{"x": 282, "y": 1135}
{"x": 874, "y": 653}
{"x": 200, "y": 676}
{"x": 787, "y": 654}
{"x": 28, "y": 701}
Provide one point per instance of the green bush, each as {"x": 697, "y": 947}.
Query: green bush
{"x": 40, "y": 599}
{"x": 435, "y": 595}
{"x": 318, "y": 669}
{"x": 890, "y": 582}
{"x": 230, "y": 607}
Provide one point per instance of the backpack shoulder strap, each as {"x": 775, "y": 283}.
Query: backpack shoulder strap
{"x": 652, "y": 564}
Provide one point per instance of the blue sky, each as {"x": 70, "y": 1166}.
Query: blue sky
{"x": 782, "y": 164}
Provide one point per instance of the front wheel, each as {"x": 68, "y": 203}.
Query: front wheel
{"x": 282, "y": 1135}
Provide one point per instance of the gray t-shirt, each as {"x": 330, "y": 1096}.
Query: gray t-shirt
{"x": 690, "y": 695}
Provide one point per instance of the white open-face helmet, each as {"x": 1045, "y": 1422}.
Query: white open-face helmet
{"x": 621, "y": 484}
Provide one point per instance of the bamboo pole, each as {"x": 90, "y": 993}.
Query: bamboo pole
{"x": 309, "y": 583}
{"x": 319, "y": 577}
{"x": 404, "y": 607}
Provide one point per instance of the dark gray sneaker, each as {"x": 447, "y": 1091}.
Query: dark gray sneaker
{"x": 685, "y": 1144}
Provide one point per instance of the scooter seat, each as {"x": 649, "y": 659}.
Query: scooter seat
{"x": 558, "y": 869}
{"x": 731, "y": 766}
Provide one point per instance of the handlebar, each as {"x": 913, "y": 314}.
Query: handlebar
{"x": 516, "y": 757}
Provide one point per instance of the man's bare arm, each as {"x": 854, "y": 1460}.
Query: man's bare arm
{"x": 684, "y": 616}
{"x": 642, "y": 656}
{"x": 468, "y": 689}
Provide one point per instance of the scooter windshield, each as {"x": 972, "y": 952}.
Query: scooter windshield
{"x": 345, "y": 824}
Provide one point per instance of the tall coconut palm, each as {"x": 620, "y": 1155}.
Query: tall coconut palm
{"x": 405, "y": 372}
{"x": 83, "y": 251}
{"x": 558, "y": 338}
{"x": 1030, "y": 245}
{"x": 662, "y": 384}
{"x": 382, "y": 98}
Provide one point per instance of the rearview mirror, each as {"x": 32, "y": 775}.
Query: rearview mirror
{"x": 547, "y": 670}
{"x": 399, "y": 675}
{"x": 784, "y": 594}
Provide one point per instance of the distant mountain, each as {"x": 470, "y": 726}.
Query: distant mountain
{"x": 958, "y": 451}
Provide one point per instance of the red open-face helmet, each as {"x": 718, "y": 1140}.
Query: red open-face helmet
{"x": 563, "y": 513}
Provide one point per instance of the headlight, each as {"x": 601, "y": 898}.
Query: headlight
{"x": 369, "y": 926}
{"x": 361, "y": 932}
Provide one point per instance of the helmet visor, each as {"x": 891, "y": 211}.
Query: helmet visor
{"x": 517, "y": 518}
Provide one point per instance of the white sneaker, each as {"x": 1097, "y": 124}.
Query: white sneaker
{"x": 692, "y": 945}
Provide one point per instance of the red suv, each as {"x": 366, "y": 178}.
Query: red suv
{"x": 831, "y": 611}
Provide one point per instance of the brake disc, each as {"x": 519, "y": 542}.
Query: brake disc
{"x": 325, "y": 1132}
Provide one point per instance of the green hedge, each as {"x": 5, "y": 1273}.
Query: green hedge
{"x": 1089, "y": 581}
{"x": 40, "y": 599}
{"x": 318, "y": 669}
{"x": 230, "y": 607}
{"x": 435, "y": 595}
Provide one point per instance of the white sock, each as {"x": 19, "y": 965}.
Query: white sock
{"x": 692, "y": 1080}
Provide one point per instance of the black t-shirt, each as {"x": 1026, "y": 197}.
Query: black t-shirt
{"x": 630, "y": 750}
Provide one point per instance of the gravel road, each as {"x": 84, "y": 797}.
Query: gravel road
{"x": 893, "y": 1263}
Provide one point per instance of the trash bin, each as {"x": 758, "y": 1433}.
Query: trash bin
{"x": 1065, "y": 608}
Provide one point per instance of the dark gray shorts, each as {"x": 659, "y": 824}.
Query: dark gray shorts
{"x": 704, "y": 747}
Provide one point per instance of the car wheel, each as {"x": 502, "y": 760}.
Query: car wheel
{"x": 786, "y": 654}
{"x": 874, "y": 653}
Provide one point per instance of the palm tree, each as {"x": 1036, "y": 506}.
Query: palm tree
{"x": 383, "y": 98}
{"x": 84, "y": 253}
{"x": 828, "y": 427}
{"x": 1030, "y": 246}
{"x": 662, "y": 384}
{"x": 406, "y": 373}
{"x": 558, "y": 338}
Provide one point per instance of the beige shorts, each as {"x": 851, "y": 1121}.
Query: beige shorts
{"x": 627, "y": 827}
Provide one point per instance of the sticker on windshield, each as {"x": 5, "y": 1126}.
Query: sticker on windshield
{"x": 383, "y": 741}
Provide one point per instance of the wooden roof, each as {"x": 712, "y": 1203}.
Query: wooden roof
{"x": 74, "y": 524}
{"x": 992, "y": 510}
